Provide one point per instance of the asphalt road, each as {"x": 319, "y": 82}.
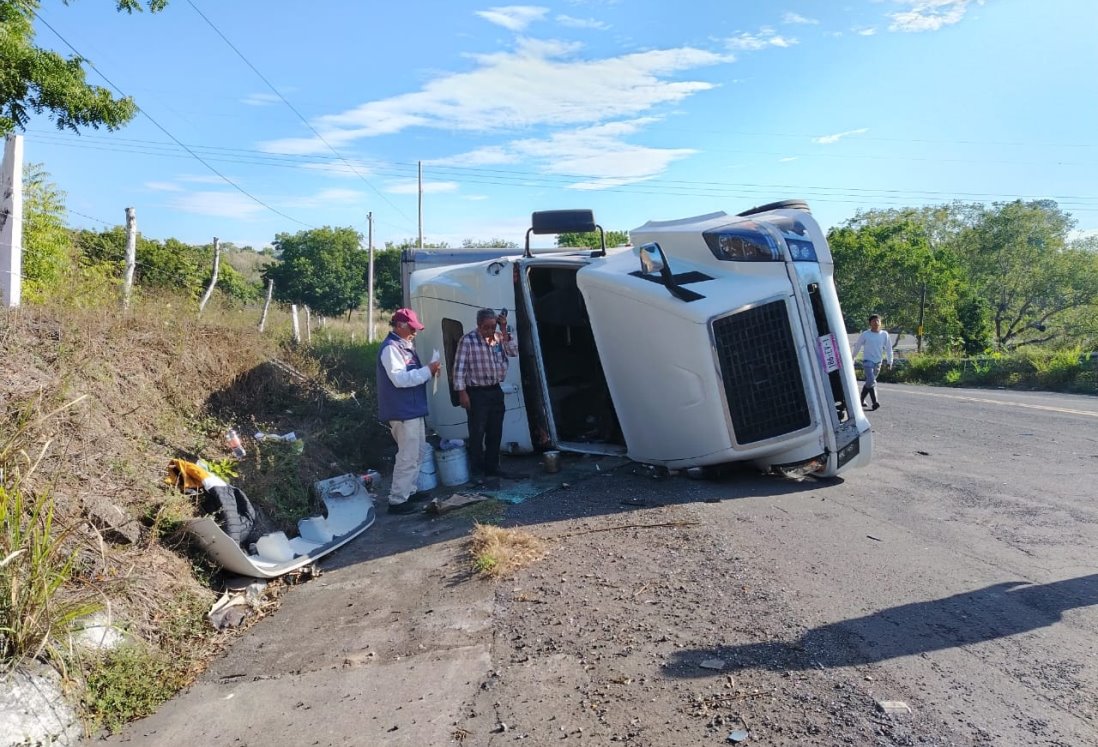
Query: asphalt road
{"x": 958, "y": 573}
{"x": 962, "y": 564}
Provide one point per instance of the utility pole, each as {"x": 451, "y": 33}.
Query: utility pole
{"x": 213, "y": 279}
{"x": 370, "y": 278}
{"x": 131, "y": 256}
{"x": 919, "y": 329}
{"x": 267, "y": 303}
{"x": 11, "y": 222}
{"x": 420, "y": 164}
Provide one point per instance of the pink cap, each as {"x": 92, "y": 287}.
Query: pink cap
{"x": 408, "y": 316}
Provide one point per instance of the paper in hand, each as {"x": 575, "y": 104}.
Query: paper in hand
{"x": 435, "y": 357}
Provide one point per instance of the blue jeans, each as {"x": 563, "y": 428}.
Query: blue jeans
{"x": 871, "y": 369}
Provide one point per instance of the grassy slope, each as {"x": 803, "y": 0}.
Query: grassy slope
{"x": 135, "y": 390}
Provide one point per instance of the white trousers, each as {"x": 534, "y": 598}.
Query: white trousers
{"x": 409, "y": 435}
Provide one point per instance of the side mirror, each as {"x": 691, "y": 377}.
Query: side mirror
{"x": 651, "y": 258}
{"x": 652, "y": 261}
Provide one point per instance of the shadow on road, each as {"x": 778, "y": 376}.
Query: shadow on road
{"x": 585, "y": 487}
{"x": 972, "y": 617}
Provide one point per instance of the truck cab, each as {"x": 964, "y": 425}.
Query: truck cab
{"x": 711, "y": 339}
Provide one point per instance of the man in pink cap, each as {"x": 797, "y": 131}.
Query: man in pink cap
{"x": 402, "y": 403}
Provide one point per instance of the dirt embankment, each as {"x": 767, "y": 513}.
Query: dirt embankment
{"x": 94, "y": 404}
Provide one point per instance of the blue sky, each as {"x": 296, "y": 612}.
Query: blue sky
{"x": 317, "y": 113}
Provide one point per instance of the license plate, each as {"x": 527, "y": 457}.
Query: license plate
{"x": 828, "y": 348}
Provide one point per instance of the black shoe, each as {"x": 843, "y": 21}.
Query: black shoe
{"x": 876, "y": 406}
{"x": 505, "y": 475}
{"x": 403, "y": 508}
{"x": 421, "y": 497}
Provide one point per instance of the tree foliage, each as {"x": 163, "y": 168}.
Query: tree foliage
{"x": 1002, "y": 275}
{"x": 1018, "y": 256}
{"x": 168, "y": 264}
{"x": 47, "y": 243}
{"x": 322, "y": 268}
{"x": 592, "y": 239}
{"x": 36, "y": 80}
{"x": 489, "y": 244}
{"x": 388, "y": 278}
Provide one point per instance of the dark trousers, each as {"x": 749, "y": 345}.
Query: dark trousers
{"x": 485, "y": 429}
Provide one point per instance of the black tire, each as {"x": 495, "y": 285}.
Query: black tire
{"x": 780, "y": 205}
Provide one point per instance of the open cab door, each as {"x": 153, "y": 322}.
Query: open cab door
{"x": 569, "y": 399}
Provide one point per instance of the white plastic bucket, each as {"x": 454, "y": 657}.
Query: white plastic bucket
{"x": 453, "y": 466}
{"x": 428, "y": 478}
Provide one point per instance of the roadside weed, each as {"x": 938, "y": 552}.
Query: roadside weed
{"x": 35, "y": 615}
{"x": 495, "y": 551}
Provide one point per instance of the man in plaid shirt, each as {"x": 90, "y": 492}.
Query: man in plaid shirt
{"x": 480, "y": 367}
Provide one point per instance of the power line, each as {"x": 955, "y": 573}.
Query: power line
{"x": 501, "y": 177}
{"x": 496, "y": 177}
{"x": 160, "y": 127}
{"x": 293, "y": 108}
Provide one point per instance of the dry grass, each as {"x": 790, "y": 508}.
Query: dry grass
{"x": 94, "y": 401}
{"x": 497, "y": 552}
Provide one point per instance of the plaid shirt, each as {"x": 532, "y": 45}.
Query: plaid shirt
{"x": 480, "y": 363}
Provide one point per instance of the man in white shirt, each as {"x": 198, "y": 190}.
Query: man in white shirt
{"x": 402, "y": 403}
{"x": 876, "y": 345}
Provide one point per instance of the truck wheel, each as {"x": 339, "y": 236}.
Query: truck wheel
{"x": 781, "y": 205}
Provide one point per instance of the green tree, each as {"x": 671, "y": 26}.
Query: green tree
{"x": 1018, "y": 257}
{"x": 322, "y": 268}
{"x": 592, "y": 240}
{"x": 489, "y": 244}
{"x": 168, "y": 264}
{"x": 47, "y": 243}
{"x": 33, "y": 79}
{"x": 388, "y": 288}
{"x": 896, "y": 263}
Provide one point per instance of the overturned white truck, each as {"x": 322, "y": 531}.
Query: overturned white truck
{"x": 712, "y": 339}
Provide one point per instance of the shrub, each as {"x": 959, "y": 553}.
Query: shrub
{"x": 35, "y": 614}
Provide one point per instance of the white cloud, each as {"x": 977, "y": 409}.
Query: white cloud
{"x": 349, "y": 168}
{"x": 539, "y": 83}
{"x": 260, "y": 99}
{"x": 202, "y": 179}
{"x": 829, "y": 139}
{"x": 797, "y": 18}
{"x": 336, "y": 195}
{"x": 582, "y": 23}
{"x": 766, "y": 37}
{"x": 928, "y": 15}
{"x": 218, "y": 204}
{"x": 513, "y": 17}
{"x": 493, "y": 155}
{"x": 599, "y": 155}
{"x": 867, "y": 31}
{"x": 411, "y": 188}
{"x": 787, "y": 159}
{"x": 163, "y": 187}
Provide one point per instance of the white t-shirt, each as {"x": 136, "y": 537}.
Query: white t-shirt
{"x": 876, "y": 345}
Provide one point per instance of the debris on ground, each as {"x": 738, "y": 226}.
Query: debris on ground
{"x": 455, "y": 501}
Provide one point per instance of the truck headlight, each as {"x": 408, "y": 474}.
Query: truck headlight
{"x": 742, "y": 243}
{"x": 801, "y": 250}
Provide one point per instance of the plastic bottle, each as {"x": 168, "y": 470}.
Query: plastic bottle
{"x": 232, "y": 440}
